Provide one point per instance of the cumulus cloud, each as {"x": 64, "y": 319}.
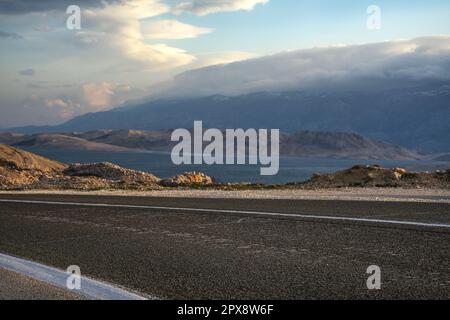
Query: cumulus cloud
{"x": 51, "y": 103}
{"x": 205, "y": 7}
{"x": 172, "y": 29}
{"x": 88, "y": 97}
{"x": 393, "y": 63}
{"x": 98, "y": 96}
{"x": 111, "y": 31}
{"x": 61, "y": 109}
{"x": 118, "y": 27}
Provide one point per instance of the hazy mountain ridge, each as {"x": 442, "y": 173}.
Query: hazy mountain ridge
{"x": 65, "y": 142}
{"x": 304, "y": 143}
{"x": 341, "y": 145}
{"x": 444, "y": 157}
{"x": 414, "y": 117}
{"x": 135, "y": 139}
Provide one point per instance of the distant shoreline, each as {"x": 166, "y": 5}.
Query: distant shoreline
{"x": 22, "y": 170}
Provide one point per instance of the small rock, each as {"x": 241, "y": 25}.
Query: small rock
{"x": 188, "y": 179}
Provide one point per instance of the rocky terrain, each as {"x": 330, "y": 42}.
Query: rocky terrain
{"x": 21, "y": 170}
{"x": 376, "y": 176}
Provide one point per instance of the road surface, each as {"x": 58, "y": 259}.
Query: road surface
{"x": 174, "y": 248}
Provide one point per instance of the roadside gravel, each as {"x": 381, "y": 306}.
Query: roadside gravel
{"x": 355, "y": 194}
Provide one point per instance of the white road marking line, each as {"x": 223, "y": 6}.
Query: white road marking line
{"x": 90, "y": 288}
{"x": 258, "y": 213}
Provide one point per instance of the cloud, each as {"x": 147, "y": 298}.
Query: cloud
{"x": 394, "y": 63}
{"x": 42, "y": 29}
{"x": 9, "y": 35}
{"x": 205, "y": 7}
{"x": 27, "y": 72}
{"x": 29, "y": 109}
{"x": 14, "y": 7}
{"x": 51, "y": 103}
{"x": 61, "y": 109}
{"x": 98, "y": 96}
{"x": 171, "y": 29}
{"x": 110, "y": 47}
{"x": 118, "y": 27}
{"x": 218, "y": 58}
{"x": 88, "y": 97}
{"x": 111, "y": 32}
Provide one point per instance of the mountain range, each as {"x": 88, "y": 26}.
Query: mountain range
{"x": 415, "y": 117}
{"x": 397, "y": 92}
{"x": 303, "y": 143}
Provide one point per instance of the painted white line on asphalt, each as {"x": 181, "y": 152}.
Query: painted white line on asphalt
{"x": 257, "y": 213}
{"x": 90, "y": 288}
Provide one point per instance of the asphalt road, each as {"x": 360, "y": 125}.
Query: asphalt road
{"x": 201, "y": 254}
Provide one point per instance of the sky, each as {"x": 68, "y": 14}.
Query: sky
{"x": 127, "y": 50}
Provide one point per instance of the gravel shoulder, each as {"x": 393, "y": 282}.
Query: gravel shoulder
{"x": 14, "y": 286}
{"x": 347, "y": 194}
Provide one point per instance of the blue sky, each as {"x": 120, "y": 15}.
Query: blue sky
{"x": 126, "y": 48}
{"x": 294, "y": 24}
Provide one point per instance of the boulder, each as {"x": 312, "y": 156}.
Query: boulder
{"x": 188, "y": 179}
{"x": 110, "y": 171}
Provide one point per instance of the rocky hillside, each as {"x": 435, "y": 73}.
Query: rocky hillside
{"x": 21, "y": 170}
{"x": 16, "y": 159}
{"x": 24, "y": 170}
{"x": 376, "y": 176}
